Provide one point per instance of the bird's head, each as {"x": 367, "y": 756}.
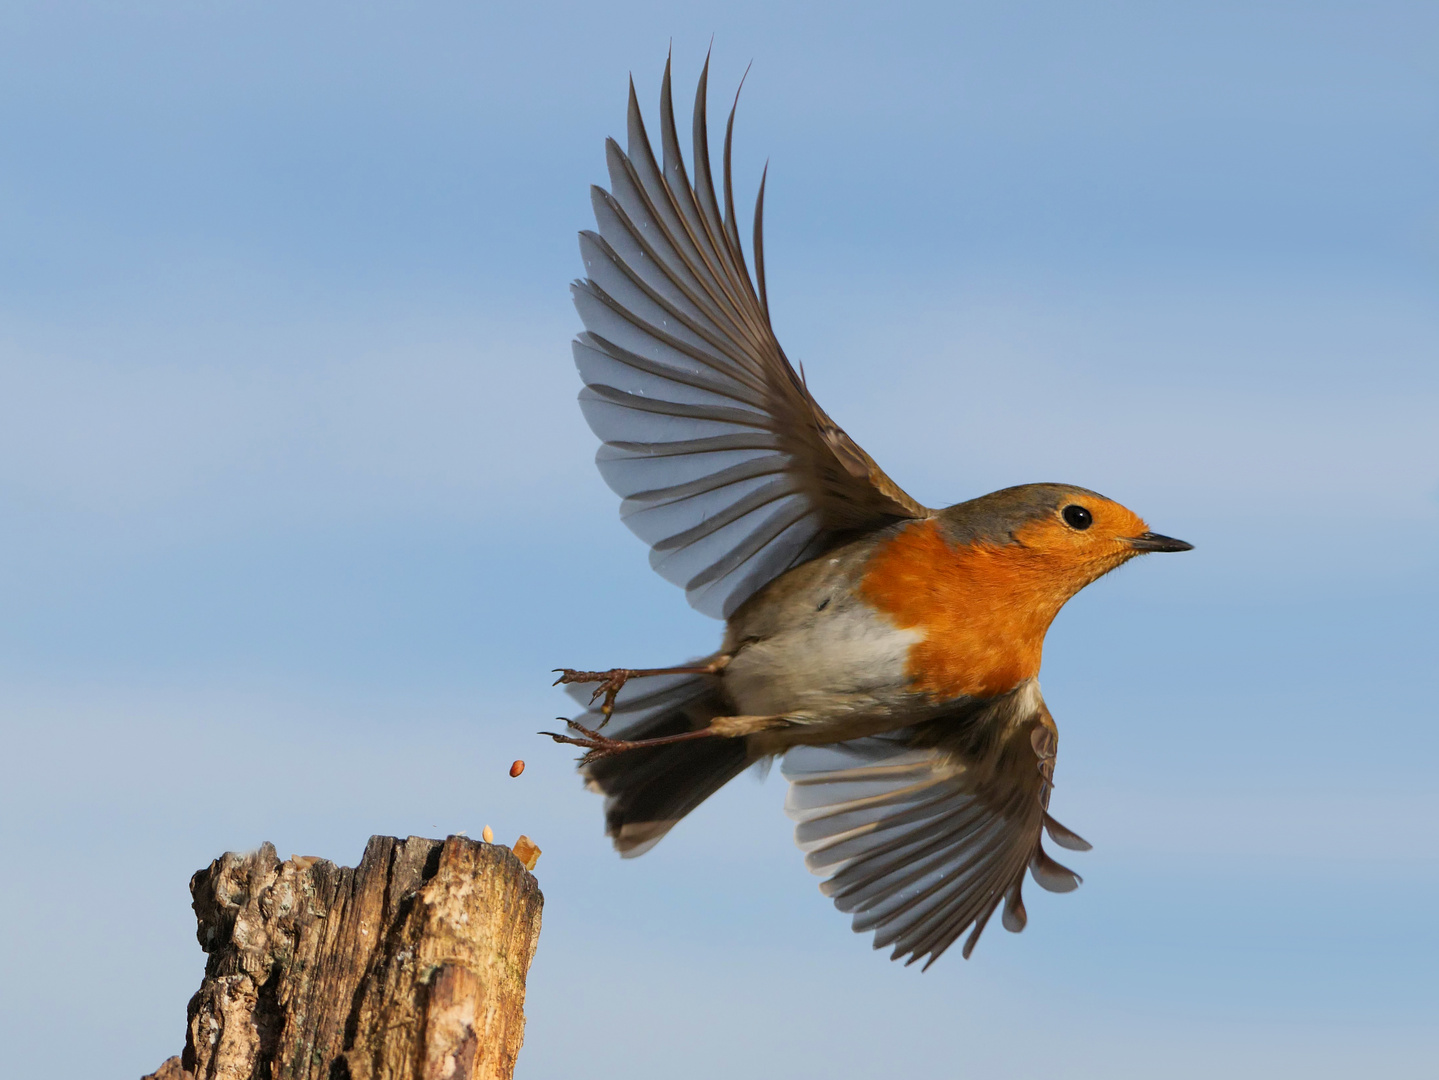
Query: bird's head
{"x": 1071, "y": 533}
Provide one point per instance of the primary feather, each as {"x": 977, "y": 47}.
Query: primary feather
{"x": 923, "y": 832}
{"x": 728, "y": 468}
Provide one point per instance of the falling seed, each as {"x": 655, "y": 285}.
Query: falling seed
{"x": 488, "y": 835}
{"x": 517, "y": 768}
{"x": 527, "y": 852}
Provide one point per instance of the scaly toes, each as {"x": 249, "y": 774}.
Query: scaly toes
{"x": 593, "y": 743}
{"x": 610, "y": 689}
{"x": 573, "y": 675}
{"x": 611, "y": 682}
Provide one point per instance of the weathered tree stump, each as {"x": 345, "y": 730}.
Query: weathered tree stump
{"x": 411, "y": 966}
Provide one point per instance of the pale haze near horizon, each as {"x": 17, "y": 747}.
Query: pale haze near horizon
{"x": 297, "y": 509}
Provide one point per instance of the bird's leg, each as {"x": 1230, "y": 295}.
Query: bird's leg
{"x": 599, "y": 746}
{"x": 613, "y": 681}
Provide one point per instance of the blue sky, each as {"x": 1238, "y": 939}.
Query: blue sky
{"x": 297, "y": 509}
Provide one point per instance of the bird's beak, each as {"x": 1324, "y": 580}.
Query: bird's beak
{"x": 1154, "y": 542}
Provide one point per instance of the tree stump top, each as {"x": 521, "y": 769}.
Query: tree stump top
{"x": 410, "y": 965}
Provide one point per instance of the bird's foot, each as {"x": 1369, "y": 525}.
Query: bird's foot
{"x": 594, "y": 744}
{"x": 611, "y": 683}
{"x": 599, "y": 745}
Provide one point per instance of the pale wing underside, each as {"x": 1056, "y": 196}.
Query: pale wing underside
{"x": 728, "y": 469}
{"x": 915, "y": 846}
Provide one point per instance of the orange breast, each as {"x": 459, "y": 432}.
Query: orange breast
{"x": 983, "y": 609}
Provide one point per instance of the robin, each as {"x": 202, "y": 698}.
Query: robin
{"x": 889, "y": 652}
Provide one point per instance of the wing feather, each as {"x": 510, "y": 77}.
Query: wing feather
{"x": 922, "y": 834}
{"x": 727, "y": 466}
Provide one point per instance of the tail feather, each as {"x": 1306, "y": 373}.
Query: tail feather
{"x": 647, "y": 791}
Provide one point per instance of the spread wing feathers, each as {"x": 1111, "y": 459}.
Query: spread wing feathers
{"x": 921, "y": 840}
{"x": 728, "y": 468}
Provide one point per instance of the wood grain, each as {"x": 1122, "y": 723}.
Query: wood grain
{"x": 411, "y": 966}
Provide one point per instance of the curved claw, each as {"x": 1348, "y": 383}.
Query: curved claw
{"x": 598, "y": 746}
{"x": 611, "y": 682}
{"x": 594, "y": 744}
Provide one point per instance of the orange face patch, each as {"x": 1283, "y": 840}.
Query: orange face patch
{"x": 1072, "y": 549}
{"x": 984, "y": 608}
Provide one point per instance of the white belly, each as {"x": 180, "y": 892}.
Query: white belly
{"x": 839, "y": 662}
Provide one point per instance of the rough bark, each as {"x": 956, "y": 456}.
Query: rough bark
{"x": 411, "y": 966}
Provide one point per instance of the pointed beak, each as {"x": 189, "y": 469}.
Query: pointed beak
{"x": 1154, "y": 542}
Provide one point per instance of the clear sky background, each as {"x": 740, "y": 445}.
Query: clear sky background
{"x": 297, "y": 509}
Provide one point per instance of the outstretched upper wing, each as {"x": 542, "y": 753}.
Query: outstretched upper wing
{"x": 729, "y": 469}
{"x": 922, "y": 832}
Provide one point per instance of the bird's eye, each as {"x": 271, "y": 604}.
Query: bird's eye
{"x": 1077, "y": 517}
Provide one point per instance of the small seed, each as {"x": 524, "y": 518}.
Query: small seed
{"x": 517, "y": 768}
{"x": 488, "y": 835}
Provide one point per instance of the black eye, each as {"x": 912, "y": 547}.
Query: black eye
{"x": 1077, "y": 517}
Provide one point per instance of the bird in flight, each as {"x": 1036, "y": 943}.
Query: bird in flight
{"x": 889, "y": 652}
